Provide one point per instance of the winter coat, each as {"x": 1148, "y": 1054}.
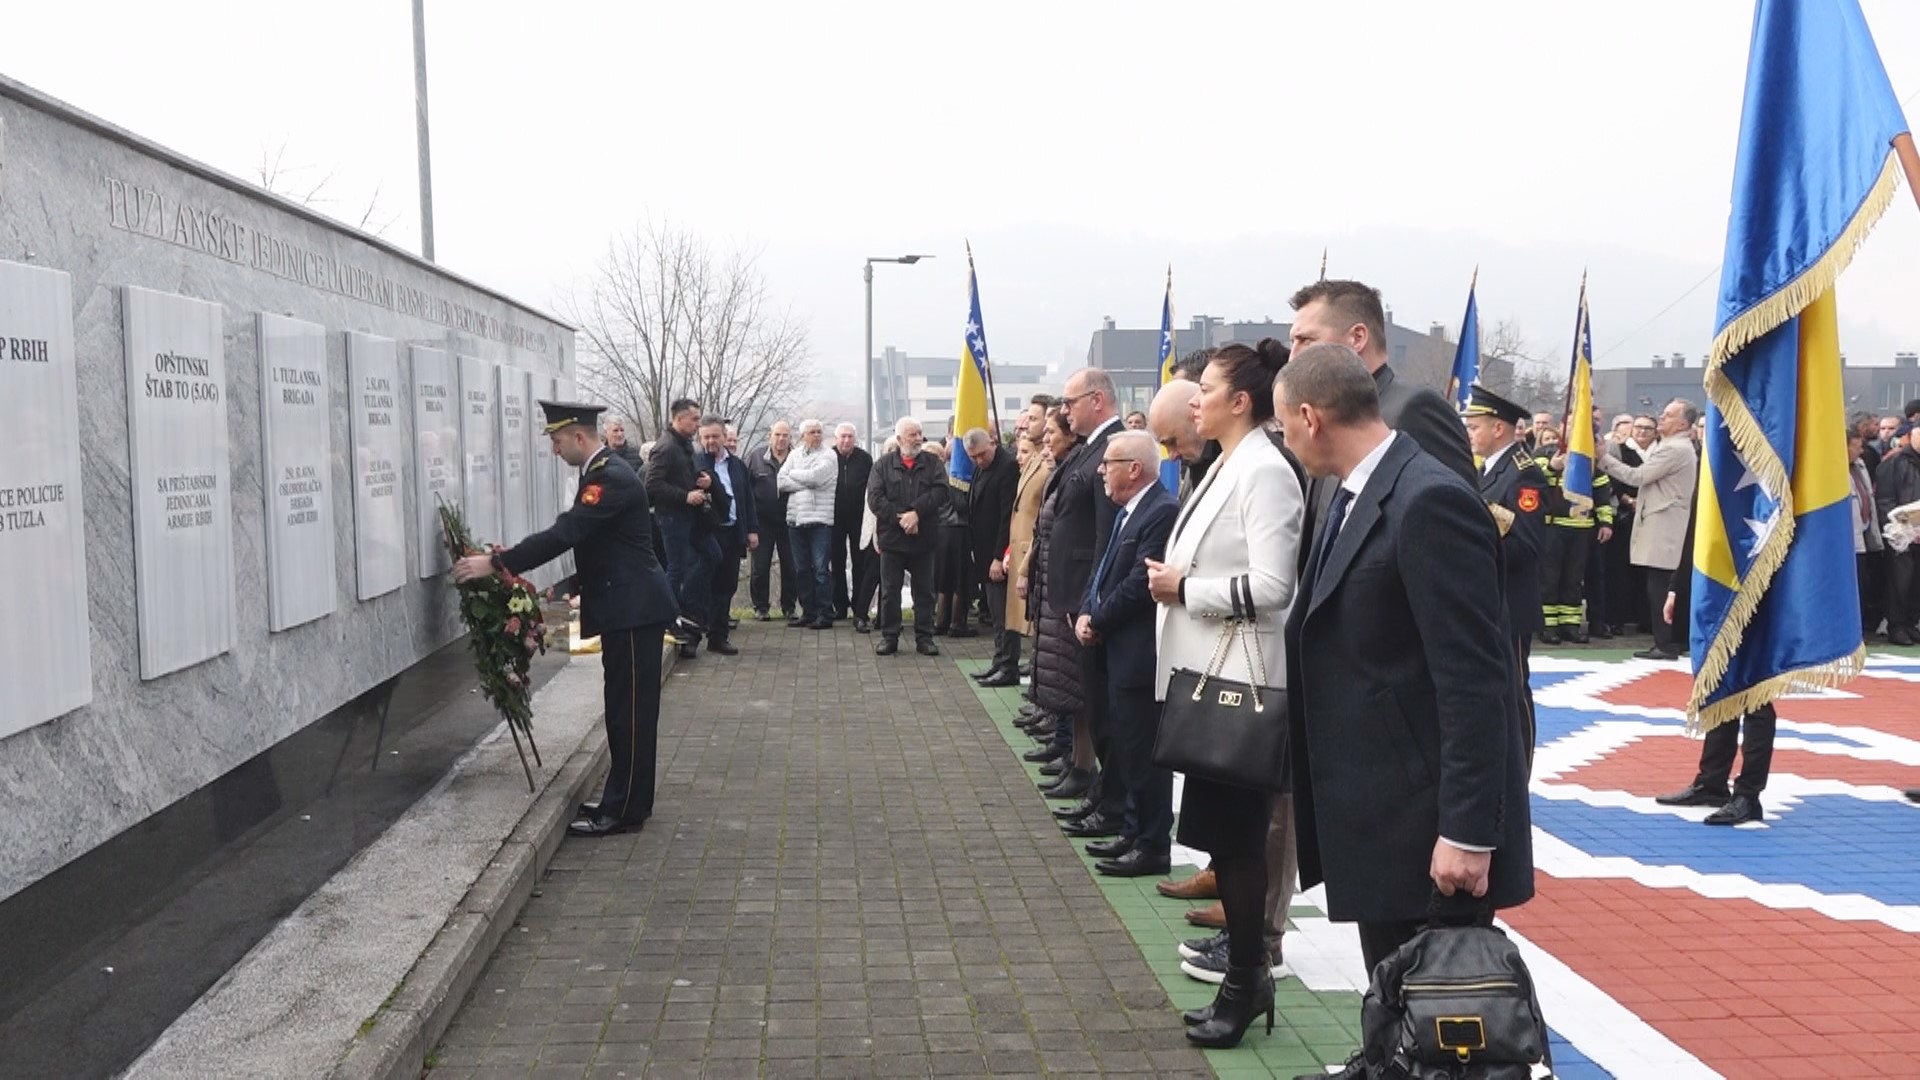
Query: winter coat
{"x": 1056, "y": 656}
{"x": 1897, "y": 482}
{"x": 1020, "y": 538}
{"x": 764, "y": 469}
{"x": 808, "y": 478}
{"x": 671, "y": 474}
{"x": 895, "y": 489}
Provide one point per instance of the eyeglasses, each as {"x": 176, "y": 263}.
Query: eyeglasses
{"x": 1068, "y": 401}
{"x": 1104, "y": 462}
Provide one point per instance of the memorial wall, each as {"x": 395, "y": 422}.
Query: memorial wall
{"x": 226, "y": 427}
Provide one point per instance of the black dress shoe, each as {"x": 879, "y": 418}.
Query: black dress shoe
{"x": 1083, "y": 808}
{"x": 939, "y": 631}
{"x": 1657, "y": 653}
{"x": 886, "y": 646}
{"x": 799, "y": 622}
{"x": 965, "y": 632}
{"x": 1110, "y": 849}
{"x": 724, "y": 648}
{"x": 1003, "y": 678}
{"x": 1549, "y": 636}
{"x": 599, "y": 826}
{"x": 861, "y": 625}
{"x": 1601, "y": 633}
{"x": 689, "y": 650}
{"x": 1695, "y": 794}
{"x": 926, "y": 647}
{"x": 1912, "y": 794}
{"x": 587, "y": 809}
{"x": 820, "y": 624}
{"x": 1044, "y": 731}
{"x": 1137, "y": 862}
{"x": 1093, "y": 825}
{"x": 1741, "y": 808}
{"x": 1575, "y": 636}
{"x": 990, "y": 673}
{"x": 1073, "y": 784}
{"x": 1057, "y": 767}
{"x": 1041, "y": 754}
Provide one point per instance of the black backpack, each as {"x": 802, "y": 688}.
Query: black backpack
{"x": 1455, "y": 1003}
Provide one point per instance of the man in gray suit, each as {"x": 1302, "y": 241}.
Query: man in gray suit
{"x": 1663, "y": 506}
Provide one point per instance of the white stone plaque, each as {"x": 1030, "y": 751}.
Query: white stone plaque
{"x": 45, "y": 664}
{"x": 296, "y": 436}
{"x": 515, "y": 455}
{"x": 436, "y": 452}
{"x": 182, "y": 491}
{"x": 480, "y": 449}
{"x": 379, "y": 451}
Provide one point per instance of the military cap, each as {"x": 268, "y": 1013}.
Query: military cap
{"x": 562, "y": 413}
{"x": 1484, "y": 402}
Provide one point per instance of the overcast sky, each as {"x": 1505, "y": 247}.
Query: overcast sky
{"x": 1081, "y": 146}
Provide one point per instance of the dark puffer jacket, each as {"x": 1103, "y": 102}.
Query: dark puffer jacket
{"x": 1056, "y": 656}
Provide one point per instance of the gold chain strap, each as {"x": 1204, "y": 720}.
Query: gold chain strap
{"x": 1256, "y": 664}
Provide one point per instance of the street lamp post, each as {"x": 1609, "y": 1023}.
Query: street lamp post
{"x": 866, "y": 376}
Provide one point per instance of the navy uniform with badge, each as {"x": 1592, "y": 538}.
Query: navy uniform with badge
{"x": 1516, "y": 491}
{"x": 625, "y": 600}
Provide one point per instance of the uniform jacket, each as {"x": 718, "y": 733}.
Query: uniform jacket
{"x": 1236, "y": 542}
{"x": 1402, "y": 722}
{"x": 1028, "y": 496}
{"x": 746, "y": 514}
{"x": 1518, "y": 484}
{"x": 1665, "y": 479}
{"x": 769, "y": 502}
{"x": 894, "y": 489}
{"x": 1121, "y": 610}
{"x": 808, "y": 478}
{"x": 610, "y": 533}
{"x": 1082, "y": 520}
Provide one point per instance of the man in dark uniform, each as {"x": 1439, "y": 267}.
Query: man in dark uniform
{"x": 624, "y": 600}
{"x": 1515, "y": 490}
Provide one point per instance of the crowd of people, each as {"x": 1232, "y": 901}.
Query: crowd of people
{"x": 1347, "y": 543}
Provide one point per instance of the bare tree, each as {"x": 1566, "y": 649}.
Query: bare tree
{"x": 1514, "y": 368}
{"x": 664, "y": 316}
{"x": 283, "y": 180}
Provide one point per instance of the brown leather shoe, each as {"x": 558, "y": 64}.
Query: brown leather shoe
{"x": 1213, "y": 916}
{"x": 1201, "y": 886}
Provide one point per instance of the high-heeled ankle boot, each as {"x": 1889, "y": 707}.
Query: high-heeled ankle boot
{"x": 1245, "y": 994}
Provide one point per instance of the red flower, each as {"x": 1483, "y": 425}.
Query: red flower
{"x": 513, "y": 625}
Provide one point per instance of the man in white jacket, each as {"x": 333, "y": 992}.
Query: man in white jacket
{"x": 808, "y": 479}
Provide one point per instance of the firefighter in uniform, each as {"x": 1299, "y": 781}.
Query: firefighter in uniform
{"x": 624, "y": 600}
{"x": 1516, "y": 492}
{"x": 1570, "y": 533}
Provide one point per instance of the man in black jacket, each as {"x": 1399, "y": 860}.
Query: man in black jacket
{"x": 907, "y": 489}
{"x": 763, "y": 466}
{"x": 624, "y": 600}
{"x": 1409, "y": 757}
{"x": 849, "y": 511}
{"x": 616, "y": 436}
{"x": 680, "y": 499}
{"x": 734, "y": 526}
{"x": 1897, "y": 483}
{"x": 989, "y": 531}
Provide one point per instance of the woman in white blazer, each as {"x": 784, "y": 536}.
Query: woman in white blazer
{"x": 1230, "y": 571}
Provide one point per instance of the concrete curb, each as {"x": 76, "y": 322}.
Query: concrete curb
{"x": 411, "y": 1023}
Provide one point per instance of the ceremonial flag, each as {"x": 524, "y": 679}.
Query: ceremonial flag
{"x": 1576, "y": 483}
{"x": 970, "y": 397}
{"x": 1466, "y": 358}
{"x": 1774, "y": 587}
{"x": 1169, "y": 465}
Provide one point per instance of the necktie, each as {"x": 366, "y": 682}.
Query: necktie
{"x": 1113, "y": 543}
{"x": 1336, "y": 517}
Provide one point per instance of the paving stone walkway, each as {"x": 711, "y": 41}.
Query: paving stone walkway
{"x": 847, "y": 874}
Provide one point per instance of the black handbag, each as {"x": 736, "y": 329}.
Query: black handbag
{"x": 1454, "y": 1003}
{"x": 1228, "y": 732}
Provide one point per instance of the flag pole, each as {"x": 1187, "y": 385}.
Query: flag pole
{"x": 986, "y": 366}
{"x": 1909, "y": 162}
{"x": 1323, "y": 264}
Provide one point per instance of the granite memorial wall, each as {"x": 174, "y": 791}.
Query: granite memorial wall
{"x": 226, "y": 423}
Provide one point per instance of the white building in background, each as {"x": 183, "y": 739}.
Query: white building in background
{"x": 923, "y": 387}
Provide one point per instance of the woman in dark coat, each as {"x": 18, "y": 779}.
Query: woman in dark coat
{"x": 1056, "y": 656}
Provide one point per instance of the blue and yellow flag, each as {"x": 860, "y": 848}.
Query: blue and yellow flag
{"x": 970, "y": 397}
{"x": 1466, "y": 358}
{"x": 1169, "y": 465}
{"x": 1773, "y": 568}
{"x": 1576, "y": 483}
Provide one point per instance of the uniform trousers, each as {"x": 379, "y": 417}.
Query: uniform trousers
{"x": 1563, "y": 574}
{"x": 1756, "y": 753}
{"x": 630, "y": 666}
